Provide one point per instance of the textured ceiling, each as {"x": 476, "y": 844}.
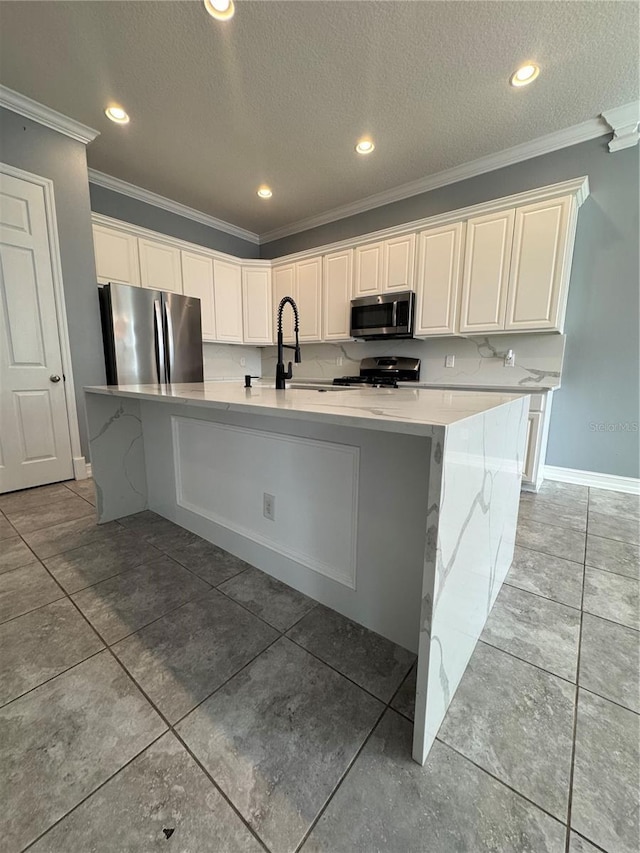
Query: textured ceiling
{"x": 281, "y": 93}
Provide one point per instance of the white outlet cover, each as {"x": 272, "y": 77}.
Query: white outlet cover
{"x": 449, "y": 360}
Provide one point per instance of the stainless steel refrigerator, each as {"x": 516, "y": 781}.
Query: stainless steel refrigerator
{"x": 150, "y": 336}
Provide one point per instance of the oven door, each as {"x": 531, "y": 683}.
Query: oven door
{"x": 389, "y": 315}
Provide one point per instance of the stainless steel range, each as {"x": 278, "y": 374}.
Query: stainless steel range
{"x": 384, "y": 371}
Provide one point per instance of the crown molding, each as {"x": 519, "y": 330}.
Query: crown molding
{"x": 591, "y": 129}
{"x": 623, "y": 121}
{"x": 131, "y": 190}
{"x": 577, "y": 187}
{"x": 37, "y": 112}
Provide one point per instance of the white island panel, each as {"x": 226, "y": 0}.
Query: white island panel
{"x": 223, "y": 473}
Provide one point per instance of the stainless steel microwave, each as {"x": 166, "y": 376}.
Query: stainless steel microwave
{"x": 387, "y": 315}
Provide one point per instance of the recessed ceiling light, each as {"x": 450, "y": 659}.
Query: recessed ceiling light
{"x": 117, "y": 114}
{"x": 265, "y": 192}
{"x": 524, "y": 75}
{"x": 222, "y": 10}
{"x": 365, "y": 146}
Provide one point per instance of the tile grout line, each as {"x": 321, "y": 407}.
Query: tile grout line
{"x": 170, "y": 728}
{"x": 340, "y": 781}
{"x": 91, "y": 793}
{"x": 500, "y": 781}
{"x": 572, "y": 765}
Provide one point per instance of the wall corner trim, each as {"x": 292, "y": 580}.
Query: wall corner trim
{"x": 613, "y": 482}
{"x": 124, "y": 188}
{"x": 37, "y": 112}
{"x": 623, "y": 121}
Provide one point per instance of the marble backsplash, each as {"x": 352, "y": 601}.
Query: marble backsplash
{"x": 224, "y": 361}
{"x": 478, "y": 360}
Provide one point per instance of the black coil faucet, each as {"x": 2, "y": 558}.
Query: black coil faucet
{"x": 281, "y": 374}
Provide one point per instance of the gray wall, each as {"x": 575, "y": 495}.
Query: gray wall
{"x": 145, "y": 215}
{"x": 595, "y": 411}
{"x": 37, "y": 149}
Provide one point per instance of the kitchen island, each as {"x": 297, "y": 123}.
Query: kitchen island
{"x": 395, "y": 507}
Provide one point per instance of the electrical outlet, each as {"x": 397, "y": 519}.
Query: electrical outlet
{"x": 449, "y": 360}
{"x": 269, "y": 506}
{"x": 243, "y": 362}
{"x": 510, "y": 358}
{"x": 339, "y": 361}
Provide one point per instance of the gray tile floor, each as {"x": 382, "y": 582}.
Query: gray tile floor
{"x": 157, "y": 693}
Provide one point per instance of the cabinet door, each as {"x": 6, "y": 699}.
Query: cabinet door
{"x": 284, "y": 284}
{"x": 486, "y": 272}
{"x": 227, "y": 291}
{"x": 399, "y": 257}
{"x": 197, "y": 280}
{"x": 543, "y": 239}
{"x": 116, "y": 256}
{"x": 368, "y": 270}
{"x": 532, "y": 448}
{"x": 256, "y": 305}
{"x": 309, "y": 298}
{"x": 336, "y": 296}
{"x": 159, "y": 266}
{"x": 438, "y": 280}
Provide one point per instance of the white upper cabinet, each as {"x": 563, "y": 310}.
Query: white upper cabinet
{"x": 438, "y": 279}
{"x": 336, "y": 295}
{"x": 387, "y": 265}
{"x": 284, "y": 284}
{"x": 227, "y": 295}
{"x": 160, "y": 267}
{"x": 542, "y": 247}
{"x": 197, "y": 280}
{"x": 309, "y": 298}
{"x": 256, "y": 305}
{"x": 368, "y": 270}
{"x": 486, "y": 272}
{"x": 303, "y": 282}
{"x": 398, "y": 265}
{"x": 116, "y": 256}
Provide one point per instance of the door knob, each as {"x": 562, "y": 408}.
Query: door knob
{"x": 54, "y": 377}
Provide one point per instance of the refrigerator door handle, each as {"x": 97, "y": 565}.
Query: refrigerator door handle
{"x": 169, "y": 341}
{"x": 159, "y": 336}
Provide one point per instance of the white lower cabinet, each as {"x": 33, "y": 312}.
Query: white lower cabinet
{"x": 197, "y": 280}
{"x": 536, "y": 444}
{"x": 116, "y": 255}
{"x": 160, "y": 267}
{"x": 256, "y": 306}
{"x": 438, "y": 280}
{"x": 227, "y": 300}
{"x": 336, "y": 295}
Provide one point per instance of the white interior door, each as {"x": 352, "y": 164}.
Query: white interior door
{"x": 35, "y": 445}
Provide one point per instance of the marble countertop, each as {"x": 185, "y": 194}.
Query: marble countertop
{"x": 414, "y": 411}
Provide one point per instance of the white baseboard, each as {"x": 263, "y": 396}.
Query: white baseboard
{"x": 89, "y": 471}
{"x": 81, "y": 468}
{"x": 631, "y": 485}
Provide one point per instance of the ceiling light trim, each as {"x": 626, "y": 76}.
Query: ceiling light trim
{"x": 100, "y": 179}
{"x": 623, "y": 121}
{"x": 35, "y": 111}
{"x": 591, "y": 129}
